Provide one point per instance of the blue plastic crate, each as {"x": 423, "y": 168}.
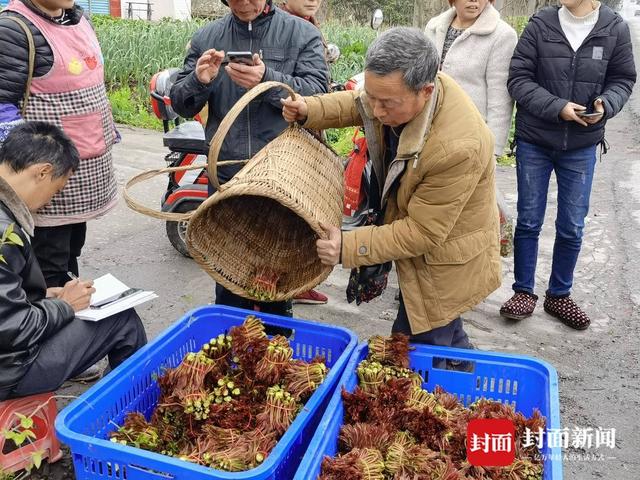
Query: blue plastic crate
{"x": 85, "y": 424}
{"x": 524, "y": 382}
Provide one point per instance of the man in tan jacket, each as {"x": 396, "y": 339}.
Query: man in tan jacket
{"x": 432, "y": 155}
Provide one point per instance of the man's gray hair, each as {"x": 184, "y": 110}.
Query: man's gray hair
{"x": 406, "y": 50}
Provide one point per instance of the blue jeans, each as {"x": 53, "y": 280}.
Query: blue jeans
{"x": 574, "y": 175}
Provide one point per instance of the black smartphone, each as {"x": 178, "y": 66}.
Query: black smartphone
{"x": 245, "y": 58}
{"x": 584, "y": 114}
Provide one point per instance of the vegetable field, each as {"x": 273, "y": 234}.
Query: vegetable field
{"x": 134, "y": 50}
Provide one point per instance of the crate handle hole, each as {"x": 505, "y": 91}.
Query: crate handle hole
{"x": 273, "y": 330}
{"x": 453, "y": 364}
{"x": 152, "y": 473}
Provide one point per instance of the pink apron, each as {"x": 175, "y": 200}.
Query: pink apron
{"x": 72, "y": 96}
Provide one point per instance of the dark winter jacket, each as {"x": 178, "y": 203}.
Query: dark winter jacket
{"x": 546, "y": 73}
{"x": 14, "y": 53}
{"x": 292, "y": 52}
{"x": 27, "y": 317}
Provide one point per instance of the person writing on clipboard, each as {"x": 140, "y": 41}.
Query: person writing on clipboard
{"x": 42, "y": 344}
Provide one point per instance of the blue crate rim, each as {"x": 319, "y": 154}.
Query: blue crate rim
{"x": 133, "y": 453}
{"x": 487, "y": 357}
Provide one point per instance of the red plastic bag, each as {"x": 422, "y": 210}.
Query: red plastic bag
{"x": 357, "y": 160}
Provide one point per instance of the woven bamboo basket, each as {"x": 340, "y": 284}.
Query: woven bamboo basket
{"x": 265, "y": 221}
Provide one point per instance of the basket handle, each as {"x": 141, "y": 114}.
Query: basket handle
{"x": 133, "y": 204}
{"x": 146, "y": 175}
{"x": 227, "y": 121}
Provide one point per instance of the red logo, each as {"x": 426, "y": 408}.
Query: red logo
{"x": 491, "y": 442}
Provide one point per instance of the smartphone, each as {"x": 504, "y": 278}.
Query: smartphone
{"x": 245, "y": 58}
{"x": 584, "y": 114}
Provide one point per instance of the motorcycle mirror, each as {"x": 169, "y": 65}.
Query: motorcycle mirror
{"x": 333, "y": 52}
{"x": 376, "y": 19}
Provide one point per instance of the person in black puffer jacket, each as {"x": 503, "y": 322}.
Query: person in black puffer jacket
{"x": 286, "y": 49}
{"x": 14, "y": 60}
{"x": 572, "y": 70}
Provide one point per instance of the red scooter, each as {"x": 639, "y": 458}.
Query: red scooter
{"x": 187, "y": 146}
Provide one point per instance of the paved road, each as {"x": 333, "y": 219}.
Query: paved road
{"x": 598, "y": 368}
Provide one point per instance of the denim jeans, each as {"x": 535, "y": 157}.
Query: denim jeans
{"x": 574, "y": 175}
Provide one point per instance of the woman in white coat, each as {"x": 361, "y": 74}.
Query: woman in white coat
{"x": 475, "y": 48}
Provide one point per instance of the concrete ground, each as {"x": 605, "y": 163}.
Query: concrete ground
{"x": 598, "y": 368}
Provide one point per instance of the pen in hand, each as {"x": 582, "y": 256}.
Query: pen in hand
{"x": 77, "y": 294}
{"x": 73, "y": 276}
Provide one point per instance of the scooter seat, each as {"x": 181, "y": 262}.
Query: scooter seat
{"x": 188, "y": 137}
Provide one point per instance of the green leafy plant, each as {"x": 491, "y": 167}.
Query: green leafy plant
{"x": 6, "y": 475}
{"x": 340, "y": 139}
{"x": 396, "y": 12}
{"x": 517, "y": 22}
{"x": 353, "y": 41}
{"x": 134, "y": 50}
{"x": 21, "y": 433}
{"x": 130, "y": 109}
{"x": 507, "y": 160}
{"x": 9, "y": 237}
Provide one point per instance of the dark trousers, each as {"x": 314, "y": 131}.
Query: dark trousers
{"x": 79, "y": 345}
{"x": 225, "y": 297}
{"x": 57, "y": 250}
{"x": 451, "y": 335}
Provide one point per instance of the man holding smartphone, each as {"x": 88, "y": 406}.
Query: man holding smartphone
{"x": 255, "y": 43}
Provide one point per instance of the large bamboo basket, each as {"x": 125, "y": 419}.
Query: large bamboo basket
{"x": 268, "y": 216}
